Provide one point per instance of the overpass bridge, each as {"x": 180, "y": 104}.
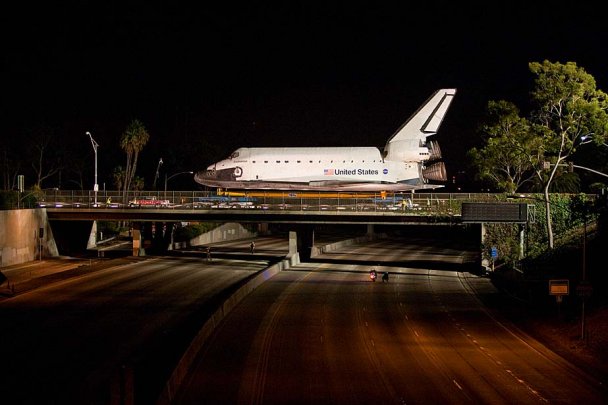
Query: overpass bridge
{"x": 428, "y": 208}
{"x": 273, "y": 207}
{"x": 301, "y": 212}
{"x": 301, "y": 223}
{"x": 252, "y": 216}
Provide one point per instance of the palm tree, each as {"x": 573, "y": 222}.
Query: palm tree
{"x": 132, "y": 142}
{"x": 118, "y": 176}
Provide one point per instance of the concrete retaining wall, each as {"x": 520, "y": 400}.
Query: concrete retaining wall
{"x": 317, "y": 250}
{"x": 223, "y": 233}
{"x": 19, "y": 236}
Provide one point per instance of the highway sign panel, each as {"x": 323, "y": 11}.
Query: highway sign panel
{"x": 559, "y": 287}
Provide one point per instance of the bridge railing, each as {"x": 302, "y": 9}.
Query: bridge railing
{"x": 419, "y": 203}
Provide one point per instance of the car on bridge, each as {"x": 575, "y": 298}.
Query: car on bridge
{"x": 148, "y": 202}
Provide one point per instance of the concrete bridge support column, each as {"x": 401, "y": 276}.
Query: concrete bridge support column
{"x": 293, "y": 243}
{"x": 138, "y": 249}
{"x": 370, "y": 230}
{"x": 263, "y": 228}
{"x": 92, "y": 242}
{"x": 302, "y": 241}
{"x": 306, "y": 241}
{"x": 162, "y": 237}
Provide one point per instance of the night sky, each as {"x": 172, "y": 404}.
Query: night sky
{"x": 209, "y": 79}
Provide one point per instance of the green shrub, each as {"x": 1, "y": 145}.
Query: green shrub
{"x": 192, "y": 230}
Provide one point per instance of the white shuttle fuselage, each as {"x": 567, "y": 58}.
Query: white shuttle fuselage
{"x": 409, "y": 161}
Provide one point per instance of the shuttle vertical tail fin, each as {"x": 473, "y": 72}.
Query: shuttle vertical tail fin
{"x": 404, "y": 145}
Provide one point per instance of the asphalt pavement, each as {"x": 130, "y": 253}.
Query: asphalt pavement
{"x": 20, "y": 278}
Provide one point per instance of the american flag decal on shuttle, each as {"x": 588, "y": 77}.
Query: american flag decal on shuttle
{"x": 328, "y": 172}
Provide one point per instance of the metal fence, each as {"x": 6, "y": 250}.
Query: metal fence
{"x": 421, "y": 203}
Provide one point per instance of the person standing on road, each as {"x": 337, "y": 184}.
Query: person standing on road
{"x": 252, "y": 247}
{"x": 208, "y": 250}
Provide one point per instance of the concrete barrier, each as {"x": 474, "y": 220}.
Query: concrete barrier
{"x": 223, "y": 233}
{"x": 315, "y": 251}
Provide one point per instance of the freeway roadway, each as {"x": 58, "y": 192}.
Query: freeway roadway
{"x": 320, "y": 332}
{"x": 323, "y": 333}
{"x": 76, "y": 338}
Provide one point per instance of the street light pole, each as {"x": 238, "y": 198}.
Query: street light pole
{"x": 572, "y": 166}
{"x": 172, "y": 176}
{"x": 584, "y": 272}
{"x": 587, "y": 138}
{"x": 95, "y": 145}
{"x": 160, "y": 162}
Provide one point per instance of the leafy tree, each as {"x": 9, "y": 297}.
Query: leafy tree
{"x": 512, "y": 150}
{"x": 118, "y": 177}
{"x": 132, "y": 142}
{"x": 137, "y": 183}
{"x": 569, "y": 211}
{"x": 568, "y": 106}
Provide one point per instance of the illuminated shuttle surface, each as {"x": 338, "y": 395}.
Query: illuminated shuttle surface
{"x": 409, "y": 161}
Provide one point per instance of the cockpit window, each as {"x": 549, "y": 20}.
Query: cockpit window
{"x": 234, "y": 155}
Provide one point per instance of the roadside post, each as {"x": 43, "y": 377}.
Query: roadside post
{"x": 494, "y": 254}
{"x": 40, "y": 237}
{"x": 559, "y": 288}
{"x": 584, "y": 290}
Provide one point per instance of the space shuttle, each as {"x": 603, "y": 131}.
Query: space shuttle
{"x": 410, "y": 161}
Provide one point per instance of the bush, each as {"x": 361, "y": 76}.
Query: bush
{"x": 109, "y": 228}
{"x": 568, "y": 212}
{"x": 8, "y": 200}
